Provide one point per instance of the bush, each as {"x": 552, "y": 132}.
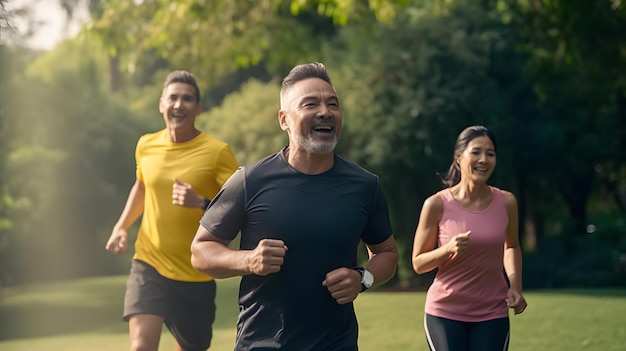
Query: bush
{"x": 597, "y": 259}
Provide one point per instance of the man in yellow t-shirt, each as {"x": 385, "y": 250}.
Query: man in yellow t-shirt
{"x": 179, "y": 169}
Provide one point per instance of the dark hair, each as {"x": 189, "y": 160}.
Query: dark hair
{"x": 305, "y": 71}
{"x": 453, "y": 175}
{"x": 182, "y": 77}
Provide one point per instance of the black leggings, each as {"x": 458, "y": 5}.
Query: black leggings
{"x": 449, "y": 335}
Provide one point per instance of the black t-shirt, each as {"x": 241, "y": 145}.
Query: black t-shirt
{"x": 321, "y": 218}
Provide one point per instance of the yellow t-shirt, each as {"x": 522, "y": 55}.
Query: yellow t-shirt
{"x": 166, "y": 230}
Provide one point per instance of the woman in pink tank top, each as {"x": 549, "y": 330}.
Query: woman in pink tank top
{"x": 469, "y": 233}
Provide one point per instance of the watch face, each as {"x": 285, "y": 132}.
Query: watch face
{"x": 368, "y": 279}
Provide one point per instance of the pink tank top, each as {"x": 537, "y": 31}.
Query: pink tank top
{"x": 472, "y": 287}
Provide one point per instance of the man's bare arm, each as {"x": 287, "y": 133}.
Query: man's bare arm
{"x": 212, "y": 256}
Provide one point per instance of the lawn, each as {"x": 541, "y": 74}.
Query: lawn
{"x": 84, "y": 315}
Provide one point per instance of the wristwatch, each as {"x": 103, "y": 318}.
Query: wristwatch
{"x": 367, "y": 278}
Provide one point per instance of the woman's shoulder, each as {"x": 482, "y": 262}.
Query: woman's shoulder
{"x": 508, "y": 197}
{"x": 432, "y": 209}
{"x": 435, "y": 201}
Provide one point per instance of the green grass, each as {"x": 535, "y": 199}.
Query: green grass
{"x": 85, "y": 314}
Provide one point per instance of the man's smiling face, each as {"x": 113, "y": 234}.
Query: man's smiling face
{"x": 179, "y": 105}
{"x": 311, "y": 114}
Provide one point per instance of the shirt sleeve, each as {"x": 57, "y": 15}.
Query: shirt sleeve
{"x": 226, "y": 213}
{"x": 378, "y": 228}
{"x": 226, "y": 165}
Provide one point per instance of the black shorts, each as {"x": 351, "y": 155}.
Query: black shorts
{"x": 188, "y": 308}
{"x": 446, "y": 334}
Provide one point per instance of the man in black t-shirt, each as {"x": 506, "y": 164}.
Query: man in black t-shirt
{"x": 302, "y": 213}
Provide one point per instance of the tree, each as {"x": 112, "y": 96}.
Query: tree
{"x": 10, "y": 63}
{"x": 61, "y": 171}
{"x": 577, "y": 60}
{"x": 216, "y": 38}
{"x": 5, "y": 221}
{"x": 6, "y": 16}
{"x": 248, "y": 121}
{"x": 412, "y": 87}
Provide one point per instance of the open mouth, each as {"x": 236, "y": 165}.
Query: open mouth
{"x": 323, "y": 128}
{"x": 481, "y": 169}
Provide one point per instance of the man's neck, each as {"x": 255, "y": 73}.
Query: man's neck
{"x": 309, "y": 163}
{"x": 181, "y": 136}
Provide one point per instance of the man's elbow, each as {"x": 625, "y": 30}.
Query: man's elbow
{"x": 197, "y": 263}
{"x": 202, "y": 262}
{"x": 198, "y": 259}
{"x": 391, "y": 258}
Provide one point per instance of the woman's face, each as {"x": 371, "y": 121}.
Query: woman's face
{"x": 478, "y": 160}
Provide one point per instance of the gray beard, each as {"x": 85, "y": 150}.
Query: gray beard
{"x": 314, "y": 146}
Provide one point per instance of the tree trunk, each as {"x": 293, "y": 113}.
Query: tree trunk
{"x": 577, "y": 196}
{"x": 115, "y": 81}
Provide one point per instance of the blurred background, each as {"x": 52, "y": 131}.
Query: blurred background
{"x": 80, "y": 82}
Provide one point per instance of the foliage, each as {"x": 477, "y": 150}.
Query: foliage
{"x": 341, "y": 12}
{"x": 8, "y": 32}
{"x": 184, "y": 33}
{"x": 577, "y": 63}
{"x": 600, "y": 258}
{"x": 546, "y": 76}
{"x": 62, "y": 171}
{"x": 4, "y": 16}
{"x": 229, "y": 35}
{"x": 248, "y": 121}
{"x": 412, "y": 88}
{"x": 11, "y": 155}
{"x": 5, "y": 201}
